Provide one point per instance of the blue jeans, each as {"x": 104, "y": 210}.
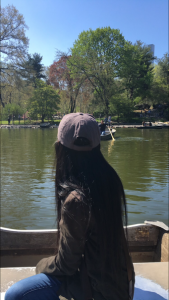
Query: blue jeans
{"x": 37, "y": 287}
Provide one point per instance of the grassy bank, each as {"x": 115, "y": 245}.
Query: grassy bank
{"x": 29, "y": 122}
{"x": 134, "y": 120}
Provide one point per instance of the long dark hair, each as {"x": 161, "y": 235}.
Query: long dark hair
{"x": 89, "y": 173}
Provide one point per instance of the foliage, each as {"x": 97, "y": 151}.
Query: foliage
{"x": 60, "y": 77}
{"x": 163, "y": 70}
{"x": 12, "y": 109}
{"x": 14, "y": 91}
{"x": 121, "y": 106}
{"x": 44, "y": 101}
{"x": 95, "y": 57}
{"x": 64, "y": 106}
{"x": 14, "y": 43}
{"x": 136, "y": 70}
{"x": 159, "y": 91}
{"x": 13, "y": 46}
{"x": 34, "y": 68}
{"x": 86, "y": 100}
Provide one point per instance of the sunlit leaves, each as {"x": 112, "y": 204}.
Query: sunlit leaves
{"x": 44, "y": 101}
{"x": 14, "y": 43}
{"x": 95, "y": 57}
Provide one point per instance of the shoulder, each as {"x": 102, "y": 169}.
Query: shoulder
{"x": 75, "y": 205}
{"x": 75, "y": 197}
{"x": 75, "y": 213}
{"x": 75, "y": 201}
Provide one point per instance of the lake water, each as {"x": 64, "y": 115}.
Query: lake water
{"x": 140, "y": 157}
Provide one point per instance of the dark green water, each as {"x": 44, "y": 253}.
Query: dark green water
{"x": 140, "y": 157}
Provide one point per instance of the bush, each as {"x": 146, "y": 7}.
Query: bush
{"x": 11, "y": 109}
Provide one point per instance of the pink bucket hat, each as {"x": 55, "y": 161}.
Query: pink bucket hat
{"x": 76, "y": 125}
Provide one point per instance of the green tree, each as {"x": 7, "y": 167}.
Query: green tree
{"x": 163, "y": 70}
{"x": 121, "y": 106}
{"x": 14, "y": 90}
{"x": 13, "y": 45}
{"x": 34, "y": 68}
{"x": 44, "y": 101}
{"x": 136, "y": 70}
{"x": 159, "y": 90}
{"x": 64, "y": 106}
{"x": 12, "y": 109}
{"x": 96, "y": 57}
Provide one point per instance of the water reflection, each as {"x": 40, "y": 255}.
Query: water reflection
{"x": 110, "y": 146}
{"x": 27, "y": 179}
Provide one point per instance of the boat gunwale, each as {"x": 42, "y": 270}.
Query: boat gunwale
{"x": 147, "y": 242}
{"x": 56, "y": 230}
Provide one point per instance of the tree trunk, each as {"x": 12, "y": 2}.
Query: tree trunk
{"x": 43, "y": 117}
{"x": 1, "y": 101}
{"x": 72, "y": 104}
{"x": 131, "y": 93}
{"x": 106, "y": 108}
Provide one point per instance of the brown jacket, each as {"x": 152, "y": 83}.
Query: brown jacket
{"x": 75, "y": 243}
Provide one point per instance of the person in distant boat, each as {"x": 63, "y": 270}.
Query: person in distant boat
{"x": 109, "y": 120}
{"x": 143, "y": 123}
{"x": 150, "y": 124}
{"x": 105, "y": 120}
{"x": 102, "y": 127}
{"x": 92, "y": 261}
{"x": 9, "y": 119}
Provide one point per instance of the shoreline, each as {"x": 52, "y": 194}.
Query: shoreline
{"x": 56, "y": 126}
{"x": 25, "y": 126}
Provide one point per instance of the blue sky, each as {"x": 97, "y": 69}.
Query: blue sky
{"x": 56, "y": 24}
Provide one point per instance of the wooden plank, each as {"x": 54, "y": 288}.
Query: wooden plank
{"x": 50, "y": 252}
{"x": 165, "y": 247}
{"x": 27, "y": 247}
{"x": 32, "y": 260}
{"x": 143, "y": 233}
{"x": 19, "y": 252}
{"x": 138, "y": 235}
{"x": 21, "y": 260}
{"x": 141, "y": 248}
{"x": 162, "y": 249}
{"x": 27, "y": 239}
{"x": 142, "y": 257}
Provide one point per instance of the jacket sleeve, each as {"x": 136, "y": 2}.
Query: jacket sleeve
{"x": 73, "y": 228}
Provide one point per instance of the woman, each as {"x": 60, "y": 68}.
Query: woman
{"x": 92, "y": 260}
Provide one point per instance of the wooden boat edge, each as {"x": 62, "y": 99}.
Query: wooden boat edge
{"x": 146, "y": 222}
{"x": 147, "y": 243}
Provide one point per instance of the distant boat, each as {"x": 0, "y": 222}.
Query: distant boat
{"x": 108, "y": 136}
{"x": 163, "y": 124}
{"x": 44, "y": 125}
{"x": 150, "y": 127}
